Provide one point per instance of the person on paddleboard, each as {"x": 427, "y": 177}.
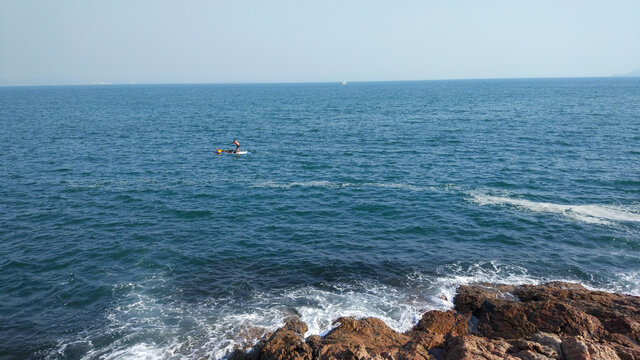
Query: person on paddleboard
{"x": 236, "y": 143}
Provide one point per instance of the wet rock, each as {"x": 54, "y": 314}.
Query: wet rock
{"x": 315, "y": 342}
{"x": 469, "y": 298}
{"x": 552, "y": 321}
{"x": 285, "y": 343}
{"x": 294, "y": 324}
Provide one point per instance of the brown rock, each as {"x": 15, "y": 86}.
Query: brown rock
{"x": 471, "y": 347}
{"x": 469, "y": 298}
{"x": 431, "y": 332}
{"x": 627, "y": 353}
{"x": 293, "y": 323}
{"x": 574, "y": 349}
{"x": 532, "y": 355}
{"x": 552, "y": 341}
{"x": 551, "y": 321}
{"x": 624, "y": 325}
{"x": 285, "y": 343}
{"x": 561, "y": 318}
{"x": 414, "y": 351}
{"x": 622, "y": 340}
{"x": 315, "y": 342}
{"x": 446, "y": 323}
{"x": 533, "y": 350}
{"x": 578, "y": 348}
{"x": 352, "y": 338}
{"x": 500, "y": 315}
{"x": 509, "y": 320}
{"x": 428, "y": 340}
{"x": 365, "y": 330}
{"x": 602, "y": 305}
{"x": 597, "y": 303}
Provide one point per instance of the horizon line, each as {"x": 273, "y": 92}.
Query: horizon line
{"x": 132, "y": 83}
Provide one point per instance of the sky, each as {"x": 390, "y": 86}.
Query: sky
{"x": 240, "y": 41}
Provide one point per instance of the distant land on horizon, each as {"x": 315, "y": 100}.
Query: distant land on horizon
{"x": 635, "y": 72}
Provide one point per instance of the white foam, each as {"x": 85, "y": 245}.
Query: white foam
{"x": 339, "y": 185}
{"x": 627, "y": 283}
{"x": 321, "y": 307}
{"x": 315, "y": 183}
{"x": 401, "y": 186}
{"x": 146, "y": 328}
{"x": 590, "y": 213}
{"x": 137, "y": 351}
{"x": 143, "y": 327}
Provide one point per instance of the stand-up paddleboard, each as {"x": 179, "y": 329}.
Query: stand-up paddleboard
{"x": 220, "y": 152}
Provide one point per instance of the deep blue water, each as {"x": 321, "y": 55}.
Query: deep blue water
{"x": 122, "y": 234}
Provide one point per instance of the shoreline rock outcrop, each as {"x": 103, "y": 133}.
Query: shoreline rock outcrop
{"x": 532, "y": 322}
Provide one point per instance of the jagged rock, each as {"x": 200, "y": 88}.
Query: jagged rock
{"x": 532, "y": 355}
{"x": 471, "y": 347}
{"x": 578, "y": 348}
{"x": 414, "y": 351}
{"x": 285, "y": 343}
{"x": 600, "y": 304}
{"x": 532, "y": 350}
{"x": 552, "y": 321}
{"x": 368, "y": 335}
{"x": 618, "y": 313}
{"x": 557, "y": 317}
{"x": 314, "y": 342}
{"x": 474, "y": 347}
{"x": 469, "y": 298}
{"x": 551, "y": 341}
{"x": 431, "y": 332}
{"x": 624, "y": 325}
{"x": 626, "y": 352}
{"x": 447, "y": 323}
{"x": 500, "y": 316}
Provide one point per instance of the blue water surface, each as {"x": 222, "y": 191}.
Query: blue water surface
{"x": 122, "y": 233}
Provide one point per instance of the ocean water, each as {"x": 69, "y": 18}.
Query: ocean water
{"x": 123, "y": 236}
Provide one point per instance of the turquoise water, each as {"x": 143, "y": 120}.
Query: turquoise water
{"x": 123, "y": 235}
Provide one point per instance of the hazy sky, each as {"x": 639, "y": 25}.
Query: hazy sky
{"x": 150, "y": 41}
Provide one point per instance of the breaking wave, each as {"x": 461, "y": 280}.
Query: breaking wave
{"x": 145, "y": 327}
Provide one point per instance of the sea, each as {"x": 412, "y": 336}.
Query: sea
{"x": 123, "y": 235}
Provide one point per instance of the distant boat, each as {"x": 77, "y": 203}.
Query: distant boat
{"x": 344, "y": 82}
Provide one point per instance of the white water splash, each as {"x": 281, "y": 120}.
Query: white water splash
{"x": 143, "y": 327}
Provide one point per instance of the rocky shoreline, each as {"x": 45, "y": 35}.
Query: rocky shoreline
{"x": 551, "y": 321}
